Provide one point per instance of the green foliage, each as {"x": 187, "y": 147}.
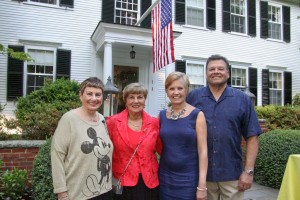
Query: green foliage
{"x": 280, "y": 117}
{"x": 13, "y": 184}
{"x": 41, "y": 174}
{"x": 274, "y": 149}
{"x": 6, "y": 125}
{"x": 39, "y": 112}
{"x": 296, "y": 100}
{"x": 17, "y": 55}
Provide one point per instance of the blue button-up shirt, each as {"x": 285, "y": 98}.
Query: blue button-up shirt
{"x": 228, "y": 120}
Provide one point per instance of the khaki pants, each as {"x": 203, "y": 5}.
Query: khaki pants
{"x": 226, "y": 190}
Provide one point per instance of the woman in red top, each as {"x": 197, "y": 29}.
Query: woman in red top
{"x": 127, "y": 129}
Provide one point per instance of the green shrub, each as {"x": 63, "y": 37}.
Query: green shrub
{"x": 41, "y": 174}
{"x": 13, "y": 184}
{"x": 7, "y": 124}
{"x": 280, "y": 117}
{"x": 296, "y": 100}
{"x": 39, "y": 112}
{"x": 274, "y": 149}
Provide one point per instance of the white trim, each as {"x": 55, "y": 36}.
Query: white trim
{"x": 54, "y": 50}
{"x": 40, "y": 43}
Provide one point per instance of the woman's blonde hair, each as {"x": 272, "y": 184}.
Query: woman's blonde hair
{"x": 176, "y": 76}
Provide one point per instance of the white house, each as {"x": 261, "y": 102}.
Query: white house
{"x": 77, "y": 39}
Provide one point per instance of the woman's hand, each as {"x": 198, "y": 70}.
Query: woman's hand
{"x": 63, "y": 196}
{"x": 201, "y": 194}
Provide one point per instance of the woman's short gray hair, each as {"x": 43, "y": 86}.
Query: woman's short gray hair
{"x": 134, "y": 88}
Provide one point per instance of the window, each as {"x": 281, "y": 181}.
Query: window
{"x": 53, "y": 2}
{"x": 126, "y": 12}
{"x": 25, "y": 77}
{"x": 275, "y": 85}
{"x": 195, "y": 12}
{"x": 62, "y": 3}
{"x": 238, "y": 77}
{"x": 238, "y": 16}
{"x": 275, "y": 20}
{"x": 195, "y": 72}
{"x": 40, "y": 69}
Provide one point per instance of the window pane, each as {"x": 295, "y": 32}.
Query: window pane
{"x": 126, "y": 12}
{"x": 274, "y": 27}
{"x": 37, "y": 69}
{"x": 195, "y": 13}
{"x": 195, "y": 72}
{"x": 49, "y": 69}
{"x": 275, "y": 83}
{"x": 31, "y": 69}
{"x": 238, "y": 77}
{"x": 53, "y": 2}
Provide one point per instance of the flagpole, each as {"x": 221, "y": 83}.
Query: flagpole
{"x": 146, "y": 13}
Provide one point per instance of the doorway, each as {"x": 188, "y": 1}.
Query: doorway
{"x": 124, "y": 75}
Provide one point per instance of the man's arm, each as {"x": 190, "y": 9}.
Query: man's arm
{"x": 245, "y": 180}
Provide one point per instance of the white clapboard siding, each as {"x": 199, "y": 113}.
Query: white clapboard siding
{"x": 70, "y": 27}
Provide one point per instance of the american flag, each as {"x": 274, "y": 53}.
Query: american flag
{"x": 162, "y": 35}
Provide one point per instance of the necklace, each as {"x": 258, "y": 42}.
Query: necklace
{"x": 94, "y": 119}
{"x": 177, "y": 116}
{"x": 137, "y": 126}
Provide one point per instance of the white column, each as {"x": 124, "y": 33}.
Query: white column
{"x": 107, "y": 63}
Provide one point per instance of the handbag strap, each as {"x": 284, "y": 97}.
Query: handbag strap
{"x": 137, "y": 147}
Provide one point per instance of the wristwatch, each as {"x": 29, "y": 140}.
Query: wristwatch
{"x": 249, "y": 171}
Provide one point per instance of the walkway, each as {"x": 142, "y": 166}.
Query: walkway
{"x": 259, "y": 192}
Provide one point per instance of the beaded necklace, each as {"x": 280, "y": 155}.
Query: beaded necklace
{"x": 175, "y": 117}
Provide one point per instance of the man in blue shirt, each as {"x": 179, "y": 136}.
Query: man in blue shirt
{"x": 230, "y": 116}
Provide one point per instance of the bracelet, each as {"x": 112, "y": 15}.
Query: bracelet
{"x": 202, "y": 189}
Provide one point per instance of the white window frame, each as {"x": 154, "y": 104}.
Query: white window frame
{"x": 276, "y": 89}
{"x": 191, "y": 74}
{"x": 54, "y": 50}
{"x": 56, "y": 4}
{"x": 278, "y": 23}
{"x": 197, "y": 8}
{"x": 242, "y": 87}
{"x": 127, "y": 11}
{"x": 245, "y": 16}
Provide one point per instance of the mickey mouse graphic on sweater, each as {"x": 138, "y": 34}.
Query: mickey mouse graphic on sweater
{"x": 101, "y": 149}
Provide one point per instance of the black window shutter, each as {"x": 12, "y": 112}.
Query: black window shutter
{"x": 265, "y": 87}
{"x": 108, "y": 11}
{"x": 253, "y": 81}
{"x": 287, "y": 88}
{"x": 14, "y": 75}
{"x": 147, "y": 21}
{"x": 66, "y": 3}
{"x": 252, "y": 18}
{"x": 180, "y": 66}
{"x": 180, "y": 11}
{"x": 226, "y": 15}
{"x": 229, "y": 79}
{"x": 286, "y": 24}
{"x": 211, "y": 14}
{"x": 63, "y": 64}
{"x": 264, "y": 19}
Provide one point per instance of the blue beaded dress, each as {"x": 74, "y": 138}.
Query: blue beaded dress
{"x": 179, "y": 166}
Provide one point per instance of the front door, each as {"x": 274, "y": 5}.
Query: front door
{"x": 124, "y": 75}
